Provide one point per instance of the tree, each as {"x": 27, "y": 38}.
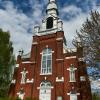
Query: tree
{"x": 6, "y": 62}
{"x": 89, "y": 36}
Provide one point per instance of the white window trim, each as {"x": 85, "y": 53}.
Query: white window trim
{"x": 49, "y": 73}
{"x": 21, "y": 77}
{"x": 69, "y": 69}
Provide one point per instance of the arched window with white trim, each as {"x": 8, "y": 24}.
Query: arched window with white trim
{"x": 46, "y": 61}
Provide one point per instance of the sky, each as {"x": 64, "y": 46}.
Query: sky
{"x": 20, "y": 16}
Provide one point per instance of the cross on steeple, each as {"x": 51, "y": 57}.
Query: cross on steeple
{"x": 52, "y": 0}
{"x": 52, "y": 8}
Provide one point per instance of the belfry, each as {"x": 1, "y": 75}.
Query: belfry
{"x": 50, "y": 71}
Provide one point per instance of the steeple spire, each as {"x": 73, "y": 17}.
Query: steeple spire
{"x": 52, "y": 0}
{"x": 52, "y": 8}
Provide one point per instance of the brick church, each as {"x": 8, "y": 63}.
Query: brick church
{"x": 50, "y": 71}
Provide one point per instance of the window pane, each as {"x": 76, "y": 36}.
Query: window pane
{"x": 44, "y": 58}
{"x": 49, "y": 51}
{"x": 43, "y": 64}
{"x": 45, "y": 51}
{"x": 49, "y": 57}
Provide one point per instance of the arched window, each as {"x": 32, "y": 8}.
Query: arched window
{"x": 46, "y": 61}
{"x": 49, "y": 22}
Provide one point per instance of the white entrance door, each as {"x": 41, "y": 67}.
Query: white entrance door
{"x": 73, "y": 96}
{"x": 45, "y": 94}
{"x": 45, "y": 91}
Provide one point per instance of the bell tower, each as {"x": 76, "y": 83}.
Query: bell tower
{"x": 51, "y": 23}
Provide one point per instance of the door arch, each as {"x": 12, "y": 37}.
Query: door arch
{"x": 45, "y": 91}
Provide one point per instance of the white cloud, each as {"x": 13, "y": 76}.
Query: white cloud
{"x": 76, "y": 22}
{"x": 71, "y": 26}
{"x": 17, "y": 23}
{"x": 71, "y": 9}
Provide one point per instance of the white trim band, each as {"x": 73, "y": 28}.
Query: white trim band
{"x": 34, "y": 43}
{"x": 59, "y": 59}
{"x": 25, "y": 62}
{"x": 30, "y": 81}
{"x": 70, "y": 57}
{"x": 58, "y": 39}
{"x": 60, "y": 80}
{"x": 46, "y": 88}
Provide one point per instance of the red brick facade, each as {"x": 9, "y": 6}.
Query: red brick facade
{"x": 61, "y": 87}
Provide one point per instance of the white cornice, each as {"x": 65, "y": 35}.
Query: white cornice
{"x": 70, "y": 57}
{"x": 58, "y": 39}
{"x": 24, "y": 62}
{"x": 34, "y": 43}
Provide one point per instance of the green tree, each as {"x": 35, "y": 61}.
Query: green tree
{"x": 6, "y": 62}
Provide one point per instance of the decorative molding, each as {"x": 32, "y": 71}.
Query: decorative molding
{"x": 73, "y": 94}
{"x": 25, "y": 62}
{"x": 52, "y": 51}
{"x": 70, "y": 69}
{"x": 59, "y": 59}
{"x": 42, "y": 53}
{"x": 58, "y": 39}
{"x": 48, "y": 87}
{"x": 70, "y": 57}
{"x": 34, "y": 43}
{"x": 17, "y": 65}
{"x": 30, "y": 81}
{"x": 82, "y": 78}
{"x": 73, "y": 81}
{"x": 80, "y": 59}
{"x": 60, "y": 80}
{"x": 45, "y": 73}
{"x": 13, "y": 81}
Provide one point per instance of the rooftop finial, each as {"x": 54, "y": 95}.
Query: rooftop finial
{"x": 52, "y": 0}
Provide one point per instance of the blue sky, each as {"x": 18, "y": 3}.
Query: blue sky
{"x": 20, "y": 16}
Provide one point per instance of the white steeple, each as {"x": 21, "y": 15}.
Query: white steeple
{"x": 52, "y": 8}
